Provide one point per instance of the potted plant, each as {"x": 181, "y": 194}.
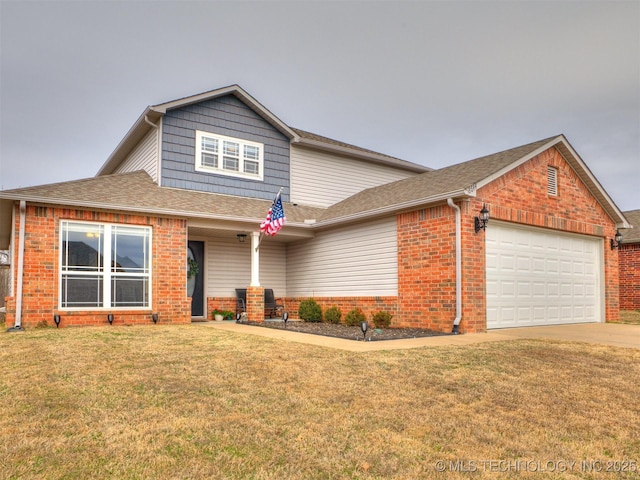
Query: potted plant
{"x": 220, "y": 315}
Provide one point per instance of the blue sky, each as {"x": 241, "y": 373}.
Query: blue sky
{"x": 432, "y": 82}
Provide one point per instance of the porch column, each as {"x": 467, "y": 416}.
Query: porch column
{"x": 255, "y": 304}
{"x": 255, "y": 260}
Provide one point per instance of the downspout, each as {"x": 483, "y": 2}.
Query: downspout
{"x": 456, "y": 322}
{"x": 17, "y": 326}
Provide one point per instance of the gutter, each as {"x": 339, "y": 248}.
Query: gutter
{"x": 17, "y": 326}
{"x": 456, "y": 322}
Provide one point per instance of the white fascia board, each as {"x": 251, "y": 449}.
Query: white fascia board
{"x": 621, "y": 221}
{"x": 240, "y": 93}
{"x": 129, "y": 141}
{"x": 517, "y": 163}
{"x": 370, "y": 156}
{"x": 145, "y": 211}
{"x": 395, "y": 208}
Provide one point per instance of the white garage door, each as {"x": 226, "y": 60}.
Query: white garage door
{"x": 541, "y": 277}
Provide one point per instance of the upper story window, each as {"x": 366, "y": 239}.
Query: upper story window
{"x": 229, "y": 156}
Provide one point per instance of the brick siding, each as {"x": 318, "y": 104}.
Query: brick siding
{"x": 629, "y": 257}
{"x": 42, "y": 267}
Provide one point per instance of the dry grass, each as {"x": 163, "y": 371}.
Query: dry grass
{"x": 630, "y": 316}
{"x": 193, "y": 402}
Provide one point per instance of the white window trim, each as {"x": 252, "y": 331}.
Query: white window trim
{"x": 219, "y": 169}
{"x": 106, "y": 274}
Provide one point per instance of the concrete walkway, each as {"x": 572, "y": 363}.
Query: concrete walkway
{"x": 599, "y": 333}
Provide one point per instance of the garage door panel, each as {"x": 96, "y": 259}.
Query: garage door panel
{"x": 541, "y": 277}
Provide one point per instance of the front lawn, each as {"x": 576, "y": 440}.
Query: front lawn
{"x": 162, "y": 402}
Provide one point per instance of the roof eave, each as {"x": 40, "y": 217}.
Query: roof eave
{"x": 579, "y": 166}
{"x": 139, "y": 129}
{"x": 240, "y": 93}
{"x": 362, "y": 155}
{"x": 143, "y": 210}
{"x": 395, "y": 208}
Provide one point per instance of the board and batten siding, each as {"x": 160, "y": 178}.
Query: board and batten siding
{"x": 143, "y": 157}
{"x": 360, "y": 260}
{"x": 228, "y": 266}
{"x": 230, "y": 117}
{"x": 322, "y": 179}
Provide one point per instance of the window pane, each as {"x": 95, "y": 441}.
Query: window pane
{"x": 251, "y": 152}
{"x": 208, "y": 160}
{"x": 231, "y": 148}
{"x": 81, "y": 291}
{"x": 129, "y": 291}
{"x": 230, "y": 163}
{"x": 129, "y": 249}
{"x": 210, "y": 144}
{"x": 82, "y": 247}
{"x": 251, "y": 167}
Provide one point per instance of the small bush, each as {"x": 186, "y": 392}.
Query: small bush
{"x": 332, "y": 315}
{"x": 354, "y": 318}
{"x": 310, "y": 311}
{"x": 382, "y": 319}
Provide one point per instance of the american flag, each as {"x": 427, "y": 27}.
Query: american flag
{"x": 275, "y": 218}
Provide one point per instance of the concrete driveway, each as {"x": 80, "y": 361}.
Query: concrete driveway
{"x": 613, "y": 334}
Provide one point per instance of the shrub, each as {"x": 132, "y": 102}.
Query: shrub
{"x": 332, "y": 315}
{"x": 310, "y": 311}
{"x": 354, "y": 318}
{"x": 382, "y": 319}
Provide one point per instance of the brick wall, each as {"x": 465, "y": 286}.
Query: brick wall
{"x": 42, "y": 266}
{"x": 629, "y": 258}
{"x": 426, "y": 242}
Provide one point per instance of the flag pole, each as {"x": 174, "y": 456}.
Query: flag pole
{"x": 274, "y": 201}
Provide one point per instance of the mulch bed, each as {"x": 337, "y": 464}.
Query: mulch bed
{"x": 349, "y": 333}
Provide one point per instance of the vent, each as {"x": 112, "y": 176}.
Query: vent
{"x": 552, "y": 181}
{"x": 41, "y": 211}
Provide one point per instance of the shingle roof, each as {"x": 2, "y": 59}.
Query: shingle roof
{"x": 632, "y": 235}
{"x": 430, "y": 186}
{"x": 137, "y": 192}
{"x": 318, "y": 141}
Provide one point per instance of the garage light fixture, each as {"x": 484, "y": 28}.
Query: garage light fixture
{"x": 483, "y": 219}
{"x": 242, "y": 237}
{"x": 616, "y": 241}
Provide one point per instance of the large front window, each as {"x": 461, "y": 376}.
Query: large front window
{"x": 104, "y": 266}
{"x": 228, "y": 156}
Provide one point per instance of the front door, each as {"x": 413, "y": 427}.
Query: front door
{"x": 195, "y": 283}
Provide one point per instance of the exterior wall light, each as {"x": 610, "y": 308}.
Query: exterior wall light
{"x": 483, "y": 219}
{"x": 616, "y": 241}
{"x": 242, "y": 237}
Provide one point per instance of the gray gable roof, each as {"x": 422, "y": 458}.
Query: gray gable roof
{"x": 154, "y": 113}
{"x": 136, "y": 192}
{"x": 437, "y": 185}
{"x": 632, "y": 235}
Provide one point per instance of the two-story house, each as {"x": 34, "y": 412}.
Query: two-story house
{"x": 188, "y": 186}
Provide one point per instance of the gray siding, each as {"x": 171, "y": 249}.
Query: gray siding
{"x": 225, "y": 116}
{"x": 322, "y": 179}
{"x": 143, "y": 157}
{"x": 359, "y": 260}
